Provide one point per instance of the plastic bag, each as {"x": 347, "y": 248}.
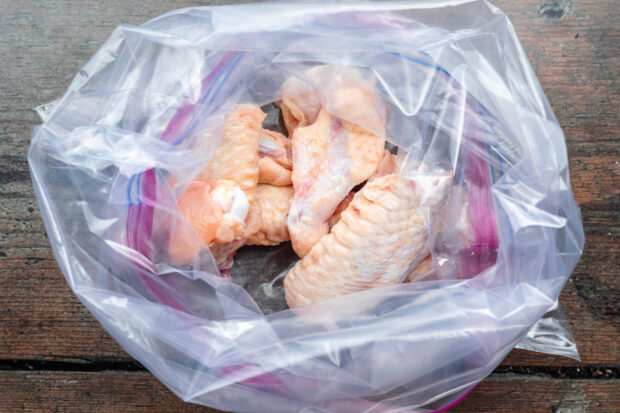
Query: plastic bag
{"x": 115, "y": 152}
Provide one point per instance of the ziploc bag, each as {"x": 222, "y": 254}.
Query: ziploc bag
{"x": 143, "y": 117}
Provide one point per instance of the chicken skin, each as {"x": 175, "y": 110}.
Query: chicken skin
{"x": 341, "y": 90}
{"x": 274, "y": 203}
{"x": 236, "y": 155}
{"x": 219, "y": 204}
{"x": 379, "y": 237}
{"x": 356, "y": 214}
{"x": 274, "y": 164}
{"x": 330, "y": 157}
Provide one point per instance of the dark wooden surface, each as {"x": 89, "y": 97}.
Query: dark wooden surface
{"x": 55, "y": 356}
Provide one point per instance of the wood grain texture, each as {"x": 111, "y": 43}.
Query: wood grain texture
{"x": 574, "y": 47}
{"x": 107, "y": 392}
{"x": 539, "y": 394}
{"x": 97, "y": 392}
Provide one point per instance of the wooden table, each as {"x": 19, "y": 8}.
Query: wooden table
{"x": 55, "y": 356}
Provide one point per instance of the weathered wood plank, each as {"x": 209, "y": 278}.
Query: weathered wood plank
{"x": 89, "y": 392}
{"x": 573, "y": 49}
{"x": 538, "y": 394}
{"x": 108, "y": 391}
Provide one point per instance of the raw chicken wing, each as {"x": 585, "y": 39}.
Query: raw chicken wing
{"x": 379, "y": 237}
{"x": 341, "y": 90}
{"x": 301, "y": 103}
{"x": 236, "y": 155}
{"x": 274, "y": 203}
{"x": 217, "y": 212}
{"x": 330, "y": 157}
{"x": 219, "y": 204}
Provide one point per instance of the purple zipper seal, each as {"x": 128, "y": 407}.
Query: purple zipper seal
{"x": 139, "y": 223}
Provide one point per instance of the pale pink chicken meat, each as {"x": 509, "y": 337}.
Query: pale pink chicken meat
{"x": 222, "y": 252}
{"x": 300, "y": 104}
{"x": 342, "y": 90}
{"x": 208, "y": 206}
{"x": 274, "y": 203}
{"x": 299, "y": 110}
{"x": 274, "y": 164}
{"x": 236, "y": 155}
{"x": 379, "y": 237}
{"x": 219, "y": 204}
{"x": 330, "y": 157}
{"x": 388, "y": 164}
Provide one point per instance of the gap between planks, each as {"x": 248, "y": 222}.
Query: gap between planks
{"x": 509, "y": 372}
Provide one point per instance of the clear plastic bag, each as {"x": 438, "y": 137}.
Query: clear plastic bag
{"x": 116, "y": 151}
